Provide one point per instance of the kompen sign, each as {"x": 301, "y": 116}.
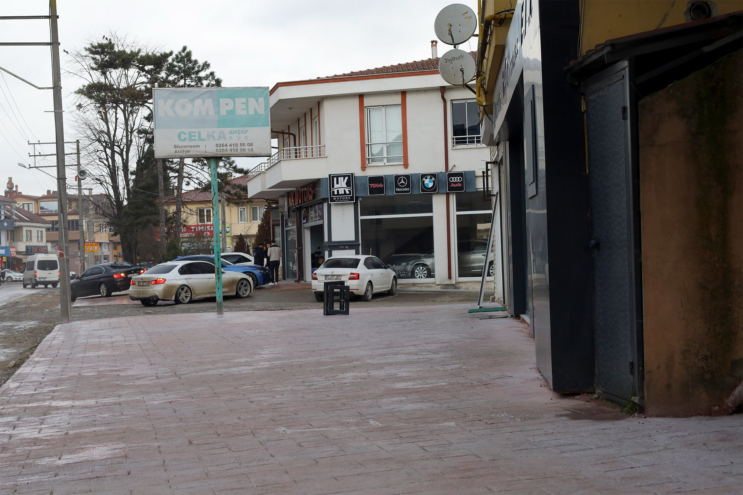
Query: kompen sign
{"x": 211, "y": 122}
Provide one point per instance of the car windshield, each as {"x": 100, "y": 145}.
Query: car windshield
{"x": 120, "y": 264}
{"x": 46, "y": 265}
{"x": 341, "y": 263}
{"x": 160, "y": 269}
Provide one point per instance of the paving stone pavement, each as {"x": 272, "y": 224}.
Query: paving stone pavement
{"x": 425, "y": 400}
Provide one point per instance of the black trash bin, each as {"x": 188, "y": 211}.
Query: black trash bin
{"x": 335, "y": 290}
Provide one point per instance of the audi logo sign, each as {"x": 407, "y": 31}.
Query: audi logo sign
{"x": 455, "y": 182}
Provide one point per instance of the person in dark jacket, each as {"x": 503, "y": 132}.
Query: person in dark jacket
{"x": 259, "y": 256}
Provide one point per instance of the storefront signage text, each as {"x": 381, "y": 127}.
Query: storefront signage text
{"x": 402, "y": 184}
{"x": 455, "y": 182}
{"x": 376, "y": 185}
{"x": 429, "y": 183}
{"x": 36, "y": 250}
{"x": 203, "y": 230}
{"x": 342, "y": 188}
{"x": 301, "y": 195}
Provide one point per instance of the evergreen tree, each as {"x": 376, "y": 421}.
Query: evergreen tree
{"x": 241, "y": 246}
{"x": 264, "y": 234}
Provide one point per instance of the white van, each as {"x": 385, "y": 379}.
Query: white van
{"x": 41, "y": 269}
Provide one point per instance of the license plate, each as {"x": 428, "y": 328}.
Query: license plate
{"x": 142, "y": 284}
{"x": 332, "y": 277}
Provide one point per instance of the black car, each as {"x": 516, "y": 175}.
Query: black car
{"x": 104, "y": 280}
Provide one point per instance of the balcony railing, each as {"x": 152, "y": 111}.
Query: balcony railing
{"x": 295, "y": 153}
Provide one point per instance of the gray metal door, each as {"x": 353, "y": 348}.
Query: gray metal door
{"x": 610, "y": 174}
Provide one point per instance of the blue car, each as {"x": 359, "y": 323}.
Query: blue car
{"x": 259, "y": 274}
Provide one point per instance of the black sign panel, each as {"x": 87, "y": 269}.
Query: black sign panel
{"x": 403, "y": 184}
{"x": 342, "y": 188}
{"x": 455, "y": 182}
{"x": 429, "y": 183}
{"x": 376, "y": 185}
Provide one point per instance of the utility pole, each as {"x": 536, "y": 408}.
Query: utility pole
{"x": 64, "y": 279}
{"x": 80, "y": 217}
{"x": 161, "y": 200}
{"x": 224, "y": 223}
{"x": 217, "y": 244}
{"x": 64, "y": 276}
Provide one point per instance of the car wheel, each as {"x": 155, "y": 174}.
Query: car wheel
{"x": 254, "y": 279}
{"x": 54, "y": 286}
{"x": 421, "y": 271}
{"x": 183, "y": 295}
{"x": 243, "y": 288}
{"x": 148, "y": 302}
{"x": 24, "y": 284}
{"x": 393, "y": 287}
{"x": 103, "y": 290}
{"x": 367, "y": 293}
{"x": 319, "y": 296}
{"x": 73, "y": 298}
{"x": 491, "y": 270}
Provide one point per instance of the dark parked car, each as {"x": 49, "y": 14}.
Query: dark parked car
{"x": 420, "y": 266}
{"x": 104, "y": 280}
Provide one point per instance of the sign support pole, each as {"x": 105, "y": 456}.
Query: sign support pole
{"x": 217, "y": 237}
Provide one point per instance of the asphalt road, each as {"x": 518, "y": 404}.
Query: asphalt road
{"x": 10, "y": 291}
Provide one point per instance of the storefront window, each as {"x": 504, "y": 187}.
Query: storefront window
{"x": 399, "y": 231}
{"x": 473, "y": 225}
{"x": 291, "y": 253}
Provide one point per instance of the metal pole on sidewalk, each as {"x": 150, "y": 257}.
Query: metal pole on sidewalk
{"x": 80, "y": 216}
{"x": 65, "y": 305}
{"x": 217, "y": 236}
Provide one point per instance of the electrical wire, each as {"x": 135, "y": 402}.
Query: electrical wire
{"x": 20, "y": 126}
{"x": 11, "y": 144}
{"x": 16, "y": 105}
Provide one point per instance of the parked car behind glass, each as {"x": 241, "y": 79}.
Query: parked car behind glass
{"x": 420, "y": 266}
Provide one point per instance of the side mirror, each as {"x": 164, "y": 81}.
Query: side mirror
{"x": 388, "y": 266}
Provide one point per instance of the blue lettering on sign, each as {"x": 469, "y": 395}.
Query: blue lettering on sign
{"x": 182, "y": 136}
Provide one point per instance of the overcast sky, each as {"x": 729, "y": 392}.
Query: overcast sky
{"x": 248, "y": 43}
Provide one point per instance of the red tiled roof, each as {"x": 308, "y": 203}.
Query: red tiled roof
{"x": 5, "y": 199}
{"x": 21, "y": 215}
{"x": 417, "y": 66}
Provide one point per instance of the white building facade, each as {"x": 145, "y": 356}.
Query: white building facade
{"x": 386, "y": 162}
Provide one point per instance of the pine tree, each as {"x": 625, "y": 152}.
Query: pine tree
{"x": 241, "y": 245}
{"x": 264, "y": 234}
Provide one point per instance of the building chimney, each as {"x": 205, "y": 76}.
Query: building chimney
{"x": 16, "y": 188}
{"x": 48, "y": 192}
{"x": 434, "y": 49}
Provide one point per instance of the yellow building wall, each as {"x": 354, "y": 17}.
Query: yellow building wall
{"x": 609, "y": 19}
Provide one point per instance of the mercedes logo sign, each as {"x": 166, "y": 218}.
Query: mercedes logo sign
{"x": 402, "y": 181}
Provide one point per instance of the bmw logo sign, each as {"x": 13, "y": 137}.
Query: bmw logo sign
{"x": 429, "y": 183}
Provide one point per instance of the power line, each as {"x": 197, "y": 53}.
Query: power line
{"x": 20, "y": 126}
{"x": 11, "y": 144}
{"x": 16, "y": 105}
{"x": 20, "y": 131}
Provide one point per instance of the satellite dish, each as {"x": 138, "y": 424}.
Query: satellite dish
{"x": 82, "y": 174}
{"x": 455, "y": 24}
{"x": 457, "y": 67}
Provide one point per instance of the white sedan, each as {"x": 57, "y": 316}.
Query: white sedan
{"x": 364, "y": 275}
{"x": 11, "y": 276}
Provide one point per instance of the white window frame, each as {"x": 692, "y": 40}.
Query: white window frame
{"x": 210, "y": 216}
{"x": 11, "y": 236}
{"x": 29, "y": 235}
{"x": 261, "y": 210}
{"x": 28, "y": 207}
{"x": 396, "y": 159}
{"x": 39, "y": 236}
{"x": 316, "y": 130}
{"x": 466, "y": 140}
{"x": 303, "y": 136}
{"x": 242, "y": 214}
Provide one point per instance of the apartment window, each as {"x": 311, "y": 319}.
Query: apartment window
{"x": 256, "y": 213}
{"x": 28, "y": 207}
{"x": 29, "y": 236}
{"x": 316, "y": 131}
{"x": 287, "y": 141}
{"x": 243, "y": 214}
{"x": 73, "y": 224}
{"x": 102, "y": 227}
{"x": 384, "y": 135}
{"x": 205, "y": 215}
{"x": 11, "y": 236}
{"x": 53, "y": 227}
{"x": 302, "y": 136}
{"x": 46, "y": 207}
{"x": 465, "y": 122}
{"x": 39, "y": 236}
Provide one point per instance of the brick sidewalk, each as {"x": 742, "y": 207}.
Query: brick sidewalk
{"x": 412, "y": 400}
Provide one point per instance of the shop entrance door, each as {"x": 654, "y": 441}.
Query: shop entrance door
{"x": 314, "y": 237}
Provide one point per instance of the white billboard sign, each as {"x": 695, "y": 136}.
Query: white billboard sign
{"x": 211, "y": 122}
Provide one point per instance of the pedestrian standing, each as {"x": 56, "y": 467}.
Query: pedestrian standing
{"x": 259, "y": 255}
{"x": 274, "y": 260}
